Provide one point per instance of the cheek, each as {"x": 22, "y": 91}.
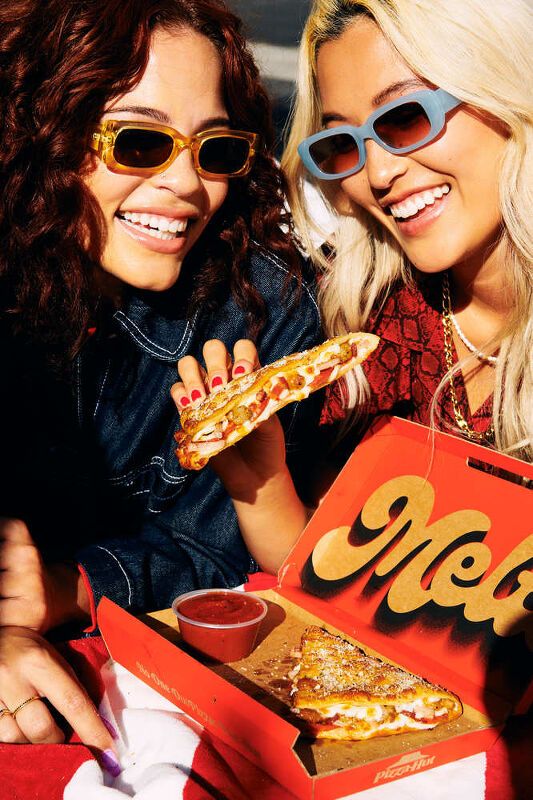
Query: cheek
{"x": 350, "y": 194}
{"x": 109, "y": 189}
{"x": 471, "y": 151}
{"x": 217, "y": 191}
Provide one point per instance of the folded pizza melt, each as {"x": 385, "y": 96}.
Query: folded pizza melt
{"x": 223, "y": 418}
{"x": 340, "y": 692}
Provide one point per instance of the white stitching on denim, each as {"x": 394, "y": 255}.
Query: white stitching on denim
{"x": 140, "y": 470}
{"x": 172, "y": 478}
{"x": 185, "y": 339}
{"x": 102, "y": 388}
{"x": 279, "y": 264}
{"x": 121, "y": 567}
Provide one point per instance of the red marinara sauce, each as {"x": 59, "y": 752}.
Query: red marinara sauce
{"x": 221, "y": 608}
{"x": 220, "y": 623}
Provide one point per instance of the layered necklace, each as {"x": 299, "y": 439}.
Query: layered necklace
{"x": 448, "y": 323}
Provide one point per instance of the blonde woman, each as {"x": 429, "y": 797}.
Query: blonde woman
{"x": 414, "y": 121}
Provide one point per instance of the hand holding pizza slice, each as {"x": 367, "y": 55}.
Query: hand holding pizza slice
{"x": 227, "y": 416}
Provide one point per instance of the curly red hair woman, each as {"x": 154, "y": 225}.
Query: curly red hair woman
{"x": 61, "y": 62}
{"x": 142, "y": 215}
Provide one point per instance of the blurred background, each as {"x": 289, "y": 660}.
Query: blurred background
{"x": 274, "y": 27}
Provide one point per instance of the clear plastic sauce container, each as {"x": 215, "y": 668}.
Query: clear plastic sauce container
{"x": 220, "y": 623}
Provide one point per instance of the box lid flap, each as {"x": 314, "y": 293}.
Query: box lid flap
{"x": 416, "y": 541}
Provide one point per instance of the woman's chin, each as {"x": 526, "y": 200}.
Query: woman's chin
{"x": 144, "y": 278}
{"x": 430, "y": 268}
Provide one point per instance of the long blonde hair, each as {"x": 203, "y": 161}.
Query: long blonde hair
{"x": 481, "y": 53}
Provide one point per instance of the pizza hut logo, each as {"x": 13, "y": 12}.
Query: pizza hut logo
{"x": 412, "y": 762}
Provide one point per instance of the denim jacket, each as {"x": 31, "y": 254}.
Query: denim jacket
{"x": 94, "y": 472}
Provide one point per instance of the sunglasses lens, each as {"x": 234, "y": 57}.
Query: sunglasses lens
{"x": 336, "y": 153}
{"x": 403, "y": 126}
{"x": 141, "y": 149}
{"x": 224, "y": 155}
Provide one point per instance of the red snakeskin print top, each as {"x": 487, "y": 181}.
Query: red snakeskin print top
{"x": 408, "y": 364}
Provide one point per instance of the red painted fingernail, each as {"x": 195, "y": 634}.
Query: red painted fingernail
{"x": 195, "y": 394}
{"x": 184, "y": 401}
{"x": 217, "y": 381}
{"x": 238, "y": 370}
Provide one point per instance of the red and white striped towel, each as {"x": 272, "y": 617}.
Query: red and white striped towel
{"x": 165, "y": 755}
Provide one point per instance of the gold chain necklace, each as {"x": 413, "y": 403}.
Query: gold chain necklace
{"x": 470, "y": 433}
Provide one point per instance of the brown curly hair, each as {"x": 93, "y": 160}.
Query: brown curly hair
{"x": 60, "y": 63}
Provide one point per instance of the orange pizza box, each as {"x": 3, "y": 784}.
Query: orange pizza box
{"x": 421, "y": 553}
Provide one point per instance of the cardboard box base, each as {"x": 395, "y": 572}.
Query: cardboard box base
{"x": 413, "y": 553}
{"x": 317, "y": 767}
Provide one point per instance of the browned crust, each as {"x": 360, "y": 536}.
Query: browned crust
{"x": 333, "y": 671}
{"x": 218, "y": 406}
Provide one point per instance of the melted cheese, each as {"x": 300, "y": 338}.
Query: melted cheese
{"x": 357, "y": 712}
{"x": 374, "y": 713}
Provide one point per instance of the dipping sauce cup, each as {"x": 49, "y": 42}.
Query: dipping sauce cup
{"x": 220, "y": 623}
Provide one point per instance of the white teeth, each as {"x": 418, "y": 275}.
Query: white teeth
{"x": 416, "y": 202}
{"x": 177, "y": 225}
{"x": 162, "y": 224}
{"x": 156, "y": 225}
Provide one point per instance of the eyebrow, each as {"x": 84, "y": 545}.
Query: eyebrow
{"x": 161, "y": 116}
{"x": 410, "y": 83}
{"x": 379, "y": 99}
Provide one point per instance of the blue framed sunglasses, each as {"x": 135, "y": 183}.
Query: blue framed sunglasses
{"x": 400, "y": 126}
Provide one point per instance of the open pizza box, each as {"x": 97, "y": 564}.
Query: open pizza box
{"x": 421, "y": 556}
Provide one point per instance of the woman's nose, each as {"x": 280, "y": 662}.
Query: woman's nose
{"x": 180, "y": 176}
{"x": 382, "y": 167}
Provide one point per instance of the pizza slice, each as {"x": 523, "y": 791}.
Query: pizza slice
{"x": 340, "y": 692}
{"x": 225, "y": 417}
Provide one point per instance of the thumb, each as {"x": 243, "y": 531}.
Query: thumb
{"x": 15, "y": 531}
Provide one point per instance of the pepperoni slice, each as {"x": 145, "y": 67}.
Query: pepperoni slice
{"x": 322, "y": 378}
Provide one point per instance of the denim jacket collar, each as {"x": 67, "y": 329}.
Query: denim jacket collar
{"x": 158, "y": 331}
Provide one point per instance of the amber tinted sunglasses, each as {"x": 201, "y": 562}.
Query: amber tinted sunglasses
{"x": 146, "y": 148}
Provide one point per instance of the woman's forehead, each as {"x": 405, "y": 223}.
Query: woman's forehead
{"x": 182, "y": 80}
{"x": 358, "y": 69}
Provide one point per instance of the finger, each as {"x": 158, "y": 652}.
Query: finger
{"x": 180, "y": 396}
{"x": 35, "y": 721}
{"x": 16, "y": 582}
{"x": 48, "y": 675}
{"x": 15, "y": 531}
{"x": 16, "y": 611}
{"x": 73, "y": 703}
{"x": 218, "y": 363}
{"x": 245, "y": 357}
{"x": 19, "y": 556}
{"x": 10, "y": 732}
{"x": 192, "y": 375}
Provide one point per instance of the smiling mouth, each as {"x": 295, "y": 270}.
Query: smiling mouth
{"x": 417, "y": 203}
{"x": 155, "y": 225}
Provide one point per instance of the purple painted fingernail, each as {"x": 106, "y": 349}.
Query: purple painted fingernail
{"x": 109, "y": 726}
{"x": 109, "y": 762}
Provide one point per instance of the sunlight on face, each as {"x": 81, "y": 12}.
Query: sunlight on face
{"x": 152, "y": 223}
{"x": 439, "y": 202}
